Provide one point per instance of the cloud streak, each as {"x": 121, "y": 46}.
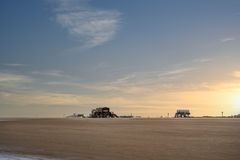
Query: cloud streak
{"x": 175, "y": 72}
{"x": 91, "y": 27}
{"x": 6, "y": 77}
{"x": 15, "y": 65}
{"x": 54, "y": 73}
{"x": 224, "y": 40}
{"x": 202, "y": 60}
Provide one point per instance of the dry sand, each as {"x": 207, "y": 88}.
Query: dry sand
{"x": 123, "y": 139}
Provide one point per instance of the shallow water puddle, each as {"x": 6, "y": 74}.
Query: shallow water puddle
{"x": 18, "y": 157}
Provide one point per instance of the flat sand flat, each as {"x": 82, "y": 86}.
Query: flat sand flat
{"x": 123, "y": 139}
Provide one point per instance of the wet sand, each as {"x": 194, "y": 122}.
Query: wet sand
{"x": 123, "y": 139}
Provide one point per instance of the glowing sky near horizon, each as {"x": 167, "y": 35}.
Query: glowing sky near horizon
{"x": 147, "y": 58}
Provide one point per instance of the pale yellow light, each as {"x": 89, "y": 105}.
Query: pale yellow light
{"x": 236, "y": 101}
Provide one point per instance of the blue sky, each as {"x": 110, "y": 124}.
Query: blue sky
{"x": 143, "y": 57}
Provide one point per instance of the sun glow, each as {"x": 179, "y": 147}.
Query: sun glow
{"x": 236, "y": 101}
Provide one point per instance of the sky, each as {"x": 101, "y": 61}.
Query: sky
{"x": 146, "y": 58}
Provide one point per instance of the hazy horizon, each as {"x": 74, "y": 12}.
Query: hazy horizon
{"x": 148, "y": 58}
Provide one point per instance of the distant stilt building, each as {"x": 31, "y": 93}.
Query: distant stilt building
{"x": 182, "y": 113}
{"x": 102, "y": 112}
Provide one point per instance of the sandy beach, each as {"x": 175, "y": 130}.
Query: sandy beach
{"x": 123, "y": 139}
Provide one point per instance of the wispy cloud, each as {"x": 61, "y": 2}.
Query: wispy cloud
{"x": 228, "y": 39}
{"x": 124, "y": 79}
{"x": 55, "y": 73}
{"x": 202, "y": 60}
{"x": 15, "y": 65}
{"x": 133, "y": 84}
{"x": 92, "y": 27}
{"x": 7, "y": 77}
{"x": 175, "y": 72}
